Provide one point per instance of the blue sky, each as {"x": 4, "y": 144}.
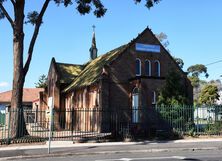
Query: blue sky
{"x": 194, "y": 30}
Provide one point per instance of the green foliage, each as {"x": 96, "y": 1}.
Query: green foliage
{"x": 149, "y": 3}
{"x": 173, "y": 93}
{"x": 2, "y": 119}
{"x": 42, "y": 83}
{"x": 32, "y": 17}
{"x": 194, "y": 81}
{"x": 196, "y": 70}
{"x": 209, "y": 94}
{"x": 86, "y": 6}
{"x": 214, "y": 128}
{"x": 179, "y": 61}
{"x": 178, "y": 117}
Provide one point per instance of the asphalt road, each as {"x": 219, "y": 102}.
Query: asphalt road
{"x": 168, "y": 151}
{"x": 206, "y": 155}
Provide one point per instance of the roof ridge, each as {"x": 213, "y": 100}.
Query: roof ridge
{"x": 69, "y": 64}
{"x": 121, "y": 48}
{"x": 91, "y": 63}
{"x": 99, "y": 57}
{"x": 23, "y": 89}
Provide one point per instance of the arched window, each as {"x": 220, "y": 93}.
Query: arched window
{"x": 153, "y": 97}
{"x": 157, "y": 68}
{"x": 135, "y": 105}
{"x": 148, "y": 68}
{"x": 138, "y": 67}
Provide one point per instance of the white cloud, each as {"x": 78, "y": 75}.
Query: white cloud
{"x": 4, "y": 84}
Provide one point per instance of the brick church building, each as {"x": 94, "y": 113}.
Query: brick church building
{"x": 127, "y": 78}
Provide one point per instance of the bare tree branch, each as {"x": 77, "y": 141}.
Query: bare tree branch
{"x": 7, "y": 15}
{"x": 13, "y": 2}
{"x": 34, "y": 36}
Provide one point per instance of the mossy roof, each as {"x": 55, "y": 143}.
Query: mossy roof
{"x": 68, "y": 72}
{"x": 93, "y": 69}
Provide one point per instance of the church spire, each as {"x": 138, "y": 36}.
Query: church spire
{"x": 93, "y": 50}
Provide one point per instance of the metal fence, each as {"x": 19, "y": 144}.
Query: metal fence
{"x": 200, "y": 120}
{"x": 98, "y": 125}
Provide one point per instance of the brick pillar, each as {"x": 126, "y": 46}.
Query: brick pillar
{"x": 104, "y": 102}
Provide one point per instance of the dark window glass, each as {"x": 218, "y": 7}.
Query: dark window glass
{"x": 147, "y": 68}
{"x": 138, "y": 67}
{"x": 157, "y": 69}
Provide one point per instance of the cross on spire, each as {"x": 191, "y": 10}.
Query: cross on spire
{"x": 94, "y": 27}
{"x": 93, "y": 50}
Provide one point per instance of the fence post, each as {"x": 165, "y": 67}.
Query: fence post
{"x": 50, "y": 128}
{"x": 197, "y": 120}
{"x": 9, "y": 115}
{"x": 72, "y": 124}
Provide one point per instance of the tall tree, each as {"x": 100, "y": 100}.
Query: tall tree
{"x": 35, "y": 18}
{"x": 173, "y": 92}
{"x": 194, "y": 72}
{"x": 42, "y": 83}
{"x": 163, "y": 38}
{"x": 209, "y": 94}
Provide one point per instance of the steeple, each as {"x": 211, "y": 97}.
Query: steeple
{"x": 93, "y": 50}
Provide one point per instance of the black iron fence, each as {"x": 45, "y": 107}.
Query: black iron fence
{"x": 97, "y": 124}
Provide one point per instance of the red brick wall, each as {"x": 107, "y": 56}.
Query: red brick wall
{"x": 123, "y": 69}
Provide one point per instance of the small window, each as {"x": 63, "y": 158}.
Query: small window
{"x": 97, "y": 98}
{"x": 135, "y": 105}
{"x": 153, "y": 97}
{"x": 157, "y": 68}
{"x": 138, "y": 67}
{"x": 147, "y": 68}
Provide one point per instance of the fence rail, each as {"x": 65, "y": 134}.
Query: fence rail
{"x": 98, "y": 124}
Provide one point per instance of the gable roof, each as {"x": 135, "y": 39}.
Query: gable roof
{"x": 93, "y": 69}
{"x": 29, "y": 95}
{"x": 68, "y": 72}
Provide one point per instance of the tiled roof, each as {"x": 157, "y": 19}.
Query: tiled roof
{"x": 29, "y": 95}
{"x": 93, "y": 69}
{"x": 68, "y": 72}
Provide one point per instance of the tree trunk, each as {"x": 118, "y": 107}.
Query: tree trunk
{"x": 18, "y": 128}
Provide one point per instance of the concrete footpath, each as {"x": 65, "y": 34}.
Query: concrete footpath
{"x": 63, "y": 148}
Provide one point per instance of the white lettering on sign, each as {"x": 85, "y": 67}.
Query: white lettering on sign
{"x": 148, "y": 48}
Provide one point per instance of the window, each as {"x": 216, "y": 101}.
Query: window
{"x": 84, "y": 98}
{"x": 97, "y": 98}
{"x": 147, "y": 68}
{"x": 93, "y": 99}
{"x": 135, "y": 105}
{"x": 138, "y": 67}
{"x": 157, "y": 68}
{"x": 153, "y": 97}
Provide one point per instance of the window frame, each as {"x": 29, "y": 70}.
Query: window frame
{"x": 153, "y": 97}
{"x": 158, "y": 72}
{"x": 138, "y": 74}
{"x": 135, "y": 108}
{"x": 150, "y": 68}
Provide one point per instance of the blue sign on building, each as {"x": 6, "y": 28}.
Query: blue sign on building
{"x": 148, "y": 48}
